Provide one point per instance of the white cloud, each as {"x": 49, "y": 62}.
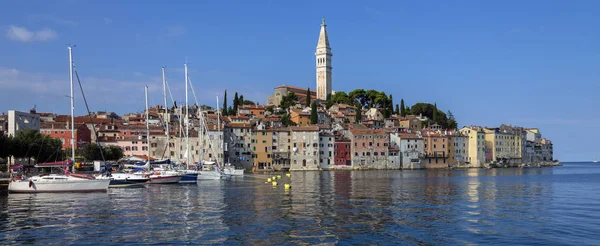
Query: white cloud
{"x": 22, "y": 34}
{"x": 175, "y": 31}
{"x": 138, "y": 74}
{"x": 107, "y": 20}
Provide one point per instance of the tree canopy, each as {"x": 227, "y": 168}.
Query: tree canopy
{"x": 288, "y": 100}
{"x": 91, "y": 152}
{"x": 434, "y": 114}
{"x": 314, "y": 117}
{"x": 31, "y": 143}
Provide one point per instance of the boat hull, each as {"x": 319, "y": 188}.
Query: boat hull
{"x": 189, "y": 178}
{"x": 234, "y": 172}
{"x": 210, "y": 175}
{"x": 54, "y": 186}
{"x": 160, "y": 179}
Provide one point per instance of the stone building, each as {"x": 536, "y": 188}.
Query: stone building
{"x": 436, "y": 150}
{"x": 238, "y": 143}
{"x": 369, "y": 148}
{"x": 411, "y": 148}
{"x": 281, "y": 148}
{"x": 475, "y": 145}
{"x": 457, "y": 151}
{"x": 262, "y": 144}
{"x": 326, "y": 151}
{"x": 305, "y": 148}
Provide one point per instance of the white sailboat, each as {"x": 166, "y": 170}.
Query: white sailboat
{"x": 66, "y": 182}
{"x": 210, "y": 170}
{"x": 164, "y": 176}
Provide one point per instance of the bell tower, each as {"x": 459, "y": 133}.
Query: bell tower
{"x": 323, "y": 60}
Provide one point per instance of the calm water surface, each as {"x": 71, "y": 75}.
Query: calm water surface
{"x": 535, "y": 206}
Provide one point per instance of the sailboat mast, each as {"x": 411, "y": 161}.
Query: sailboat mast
{"x": 166, "y": 117}
{"x": 218, "y": 128}
{"x": 187, "y": 120}
{"x": 72, "y": 108}
{"x": 147, "y": 124}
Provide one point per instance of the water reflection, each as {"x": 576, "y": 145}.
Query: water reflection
{"x": 447, "y": 207}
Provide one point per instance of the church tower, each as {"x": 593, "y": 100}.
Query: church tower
{"x": 323, "y": 59}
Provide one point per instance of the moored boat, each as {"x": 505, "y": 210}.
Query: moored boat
{"x": 231, "y": 170}
{"x": 165, "y": 178}
{"x": 53, "y": 183}
{"x": 64, "y": 182}
{"x": 128, "y": 179}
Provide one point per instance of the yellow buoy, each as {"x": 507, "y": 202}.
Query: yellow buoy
{"x": 274, "y": 183}
{"x": 269, "y": 180}
{"x": 288, "y": 175}
{"x": 278, "y": 176}
{"x": 287, "y": 186}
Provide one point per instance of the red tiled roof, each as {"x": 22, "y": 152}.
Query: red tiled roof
{"x": 362, "y": 131}
{"x": 251, "y": 107}
{"x": 304, "y": 128}
{"x": 408, "y": 135}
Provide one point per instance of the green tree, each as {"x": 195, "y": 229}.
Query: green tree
{"x": 452, "y": 124}
{"x": 328, "y": 101}
{"x": 435, "y": 113}
{"x": 241, "y": 101}
{"x": 270, "y": 108}
{"x": 288, "y": 100}
{"x": 342, "y": 97}
{"x": 403, "y": 111}
{"x": 32, "y": 144}
{"x": 235, "y": 103}
{"x": 286, "y": 120}
{"x": 314, "y": 118}
{"x": 224, "y": 108}
{"x": 113, "y": 153}
{"x": 308, "y": 97}
{"x": 358, "y": 118}
{"x": 390, "y": 104}
{"x": 358, "y": 95}
{"x": 230, "y": 111}
{"x": 426, "y": 109}
{"x": 397, "y": 112}
{"x": 91, "y": 152}
{"x": 4, "y": 146}
{"x": 248, "y": 102}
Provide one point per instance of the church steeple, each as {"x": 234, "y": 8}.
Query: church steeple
{"x": 323, "y": 60}
{"x": 323, "y": 40}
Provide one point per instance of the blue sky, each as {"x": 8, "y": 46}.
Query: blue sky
{"x": 527, "y": 63}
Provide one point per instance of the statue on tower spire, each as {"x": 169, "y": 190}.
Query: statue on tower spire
{"x": 323, "y": 21}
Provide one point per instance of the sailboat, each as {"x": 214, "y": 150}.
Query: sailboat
{"x": 66, "y": 182}
{"x": 164, "y": 176}
{"x": 189, "y": 175}
{"x": 211, "y": 170}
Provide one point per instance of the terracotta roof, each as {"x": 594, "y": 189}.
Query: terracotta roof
{"x": 362, "y": 131}
{"x": 243, "y": 117}
{"x": 342, "y": 105}
{"x": 300, "y": 112}
{"x": 403, "y": 135}
{"x": 304, "y": 128}
{"x": 251, "y": 107}
{"x": 239, "y": 125}
{"x": 280, "y": 129}
{"x": 289, "y": 87}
